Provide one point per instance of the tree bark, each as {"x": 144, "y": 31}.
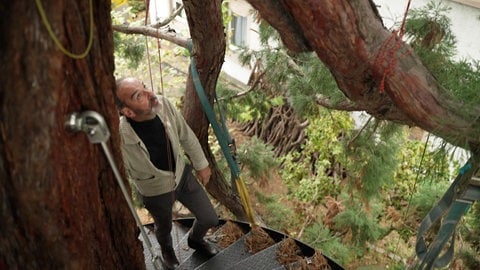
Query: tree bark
{"x": 208, "y": 38}
{"x": 61, "y": 206}
{"x": 371, "y": 65}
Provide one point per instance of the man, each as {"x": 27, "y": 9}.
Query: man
{"x": 153, "y": 133}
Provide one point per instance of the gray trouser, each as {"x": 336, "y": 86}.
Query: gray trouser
{"x": 191, "y": 194}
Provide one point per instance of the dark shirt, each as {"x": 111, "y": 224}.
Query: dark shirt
{"x": 152, "y": 133}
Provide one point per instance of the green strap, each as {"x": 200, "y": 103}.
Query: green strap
{"x": 455, "y": 208}
{"x": 431, "y": 257}
{"x": 222, "y": 134}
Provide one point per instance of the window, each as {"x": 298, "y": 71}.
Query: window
{"x": 239, "y": 30}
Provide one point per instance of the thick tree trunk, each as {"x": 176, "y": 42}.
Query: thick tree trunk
{"x": 208, "y": 37}
{"x": 349, "y": 37}
{"x": 61, "y": 206}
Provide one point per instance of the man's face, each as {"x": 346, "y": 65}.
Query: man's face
{"x": 140, "y": 102}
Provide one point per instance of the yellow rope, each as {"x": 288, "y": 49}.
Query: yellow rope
{"x": 55, "y": 39}
{"x": 242, "y": 191}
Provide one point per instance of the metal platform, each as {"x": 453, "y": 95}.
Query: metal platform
{"x": 233, "y": 257}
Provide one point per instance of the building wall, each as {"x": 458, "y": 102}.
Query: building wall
{"x": 464, "y": 15}
{"x": 232, "y": 66}
{"x": 465, "y": 21}
{"x": 472, "y": 3}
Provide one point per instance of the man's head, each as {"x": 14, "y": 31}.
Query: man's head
{"x": 135, "y": 100}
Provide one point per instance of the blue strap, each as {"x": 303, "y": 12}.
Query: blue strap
{"x": 222, "y": 134}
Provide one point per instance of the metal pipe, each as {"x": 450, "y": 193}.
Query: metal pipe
{"x": 94, "y": 125}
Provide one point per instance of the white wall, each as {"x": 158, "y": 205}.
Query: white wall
{"x": 465, "y": 23}
{"x": 159, "y": 10}
{"x": 232, "y": 66}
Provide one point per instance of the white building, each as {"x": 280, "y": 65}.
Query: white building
{"x": 465, "y": 17}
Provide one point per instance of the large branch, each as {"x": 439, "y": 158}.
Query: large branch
{"x": 350, "y": 39}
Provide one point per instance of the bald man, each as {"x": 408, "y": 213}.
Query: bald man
{"x": 155, "y": 138}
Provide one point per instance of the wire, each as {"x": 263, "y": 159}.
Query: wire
{"x": 417, "y": 177}
{"x": 55, "y": 39}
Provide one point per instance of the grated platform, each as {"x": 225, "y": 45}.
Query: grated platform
{"x": 233, "y": 257}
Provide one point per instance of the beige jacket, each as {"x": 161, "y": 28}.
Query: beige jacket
{"x": 149, "y": 180}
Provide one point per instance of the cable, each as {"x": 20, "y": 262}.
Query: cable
{"x": 55, "y": 39}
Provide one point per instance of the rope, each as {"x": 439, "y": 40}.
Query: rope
{"x": 159, "y": 53}
{"x": 223, "y": 137}
{"x": 54, "y": 37}
{"x": 386, "y": 56}
{"x": 164, "y": 112}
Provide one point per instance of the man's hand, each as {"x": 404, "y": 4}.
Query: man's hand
{"x": 203, "y": 175}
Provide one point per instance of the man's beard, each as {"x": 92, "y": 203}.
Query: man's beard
{"x": 154, "y": 108}
{"x": 154, "y": 105}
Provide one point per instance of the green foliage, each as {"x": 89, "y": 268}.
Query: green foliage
{"x": 268, "y": 35}
{"x": 258, "y": 157}
{"x": 379, "y": 163}
{"x": 137, "y": 5}
{"x": 372, "y": 157}
{"x": 470, "y": 258}
{"x": 226, "y": 17}
{"x": 128, "y": 48}
{"x": 363, "y": 224}
{"x": 419, "y": 163}
{"x": 316, "y": 82}
{"x": 472, "y": 228}
{"x": 428, "y": 194}
{"x": 429, "y": 31}
{"x": 304, "y": 172}
{"x": 252, "y": 106}
{"x": 321, "y": 238}
{"x": 277, "y": 213}
{"x": 429, "y": 27}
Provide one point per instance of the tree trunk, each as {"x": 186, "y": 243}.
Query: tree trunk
{"x": 371, "y": 65}
{"x": 61, "y": 205}
{"x": 208, "y": 37}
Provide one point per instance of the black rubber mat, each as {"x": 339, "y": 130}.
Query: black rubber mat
{"x": 178, "y": 233}
{"x": 259, "y": 261}
{"x": 193, "y": 261}
{"x": 230, "y": 255}
{"x": 234, "y": 257}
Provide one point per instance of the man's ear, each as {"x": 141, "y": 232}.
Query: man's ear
{"x": 127, "y": 112}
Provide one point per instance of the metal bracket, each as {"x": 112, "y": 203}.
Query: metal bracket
{"x": 90, "y": 122}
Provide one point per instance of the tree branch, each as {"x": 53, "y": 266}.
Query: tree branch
{"x": 169, "y": 19}
{"x": 152, "y": 32}
{"x": 342, "y": 106}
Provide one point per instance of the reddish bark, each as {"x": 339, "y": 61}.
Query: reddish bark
{"x": 61, "y": 206}
{"x": 208, "y": 38}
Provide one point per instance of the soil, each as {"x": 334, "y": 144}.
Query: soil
{"x": 228, "y": 234}
{"x": 288, "y": 252}
{"x": 258, "y": 240}
{"x": 317, "y": 262}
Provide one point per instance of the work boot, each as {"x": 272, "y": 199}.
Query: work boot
{"x": 203, "y": 247}
{"x": 170, "y": 261}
